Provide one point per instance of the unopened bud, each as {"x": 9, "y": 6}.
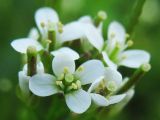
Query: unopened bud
{"x": 130, "y": 43}
{"x": 102, "y": 15}
{"x": 146, "y": 67}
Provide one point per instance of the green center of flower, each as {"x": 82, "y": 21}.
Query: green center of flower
{"x": 106, "y": 88}
{"x": 67, "y": 81}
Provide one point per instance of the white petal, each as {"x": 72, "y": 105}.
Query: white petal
{"x": 113, "y": 75}
{"x": 108, "y": 61}
{"x": 78, "y": 101}
{"x": 72, "y": 31}
{"x": 24, "y": 82}
{"x": 34, "y": 34}
{"x": 95, "y": 84}
{"x": 116, "y": 98}
{"x": 134, "y": 58}
{"x": 94, "y": 37}
{"x": 86, "y": 19}
{"x": 21, "y": 45}
{"x": 43, "y": 85}
{"x": 40, "y": 68}
{"x": 45, "y": 15}
{"x": 99, "y": 100}
{"x": 129, "y": 95}
{"x": 62, "y": 61}
{"x": 119, "y": 34}
{"x": 93, "y": 69}
{"x": 66, "y": 50}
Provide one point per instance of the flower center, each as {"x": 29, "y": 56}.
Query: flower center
{"x": 67, "y": 81}
{"x": 106, "y": 88}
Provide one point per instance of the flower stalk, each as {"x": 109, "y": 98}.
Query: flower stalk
{"x": 135, "y": 16}
{"x": 31, "y": 60}
{"x": 139, "y": 73}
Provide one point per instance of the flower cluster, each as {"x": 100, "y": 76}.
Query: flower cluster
{"x": 75, "y": 60}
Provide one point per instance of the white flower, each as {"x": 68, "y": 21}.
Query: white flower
{"x": 47, "y": 19}
{"x": 101, "y": 90}
{"x": 24, "y": 78}
{"x": 83, "y": 29}
{"x": 68, "y": 81}
{"x": 115, "y": 55}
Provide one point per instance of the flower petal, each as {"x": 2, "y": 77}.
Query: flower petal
{"x": 108, "y": 61}
{"x": 129, "y": 95}
{"x": 21, "y": 45}
{"x": 116, "y": 33}
{"x": 116, "y": 98}
{"x": 78, "y": 101}
{"x": 40, "y": 68}
{"x": 118, "y": 30}
{"x": 62, "y": 61}
{"x": 45, "y": 15}
{"x": 94, "y": 37}
{"x": 24, "y": 82}
{"x": 66, "y": 50}
{"x": 86, "y": 19}
{"x": 134, "y": 58}
{"x": 113, "y": 75}
{"x": 73, "y": 31}
{"x": 92, "y": 70}
{"x": 43, "y": 85}
{"x": 33, "y": 34}
{"x": 99, "y": 100}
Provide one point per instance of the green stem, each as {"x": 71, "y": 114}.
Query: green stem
{"x": 46, "y": 58}
{"x": 135, "y": 78}
{"x": 31, "y": 60}
{"x": 135, "y": 16}
{"x": 52, "y": 38}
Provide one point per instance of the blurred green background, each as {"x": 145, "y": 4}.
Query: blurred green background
{"x": 17, "y": 17}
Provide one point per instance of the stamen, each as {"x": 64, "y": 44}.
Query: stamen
{"x": 78, "y": 83}
{"x": 129, "y": 43}
{"x": 74, "y": 86}
{"x": 48, "y": 41}
{"x": 60, "y": 27}
{"x": 80, "y": 69}
{"x": 42, "y": 24}
{"x": 60, "y": 83}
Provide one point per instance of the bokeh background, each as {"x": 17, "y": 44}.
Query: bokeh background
{"x": 17, "y": 17}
